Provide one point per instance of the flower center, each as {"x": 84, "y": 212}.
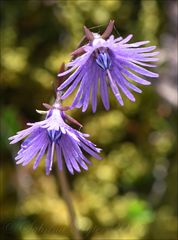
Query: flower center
{"x": 54, "y": 135}
{"x": 103, "y": 60}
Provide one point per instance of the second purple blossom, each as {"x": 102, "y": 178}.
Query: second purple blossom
{"x": 54, "y": 135}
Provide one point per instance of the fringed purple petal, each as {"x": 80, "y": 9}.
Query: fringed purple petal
{"x": 138, "y": 69}
{"x": 88, "y": 150}
{"x": 131, "y": 86}
{"x": 134, "y": 77}
{"x": 72, "y": 153}
{"x": 80, "y": 158}
{"x": 82, "y": 97}
{"x": 86, "y": 92}
{"x": 40, "y": 155}
{"x": 73, "y": 85}
{"x": 127, "y": 39}
{"x": 28, "y": 153}
{"x": 59, "y": 156}
{"x": 92, "y": 80}
{"x": 87, "y": 142}
{"x": 146, "y": 52}
{"x": 49, "y": 158}
{"x": 95, "y": 91}
{"x": 25, "y": 159}
{"x": 137, "y": 44}
{"x": 66, "y": 72}
{"x": 66, "y": 151}
{"x": 71, "y": 156}
{"x": 21, "y": 134}
{"x": 120, "y": 81}
{"x": 115, "y": 89}
{"x": 104, "y": 91}
{"x": 118, "y": 39}
{"x": 132, "y": 54}
{"x": 31, "y": 138}
{"x": 143, "y": 64}
{"x": 70, "y": 79}
{"x": 80, "y": 90}
{"x": 78, "y": 155}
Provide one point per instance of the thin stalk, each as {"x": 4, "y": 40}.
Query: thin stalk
{"x": 67, "y": 198}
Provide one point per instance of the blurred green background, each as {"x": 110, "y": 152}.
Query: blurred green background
{"x": 131, "y": 194}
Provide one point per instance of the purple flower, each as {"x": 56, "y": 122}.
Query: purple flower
{"x": 53, "y": 134}
{"x": 111, "y": 62}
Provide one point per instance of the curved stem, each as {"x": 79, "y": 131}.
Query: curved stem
{"x": 66, "y": 195}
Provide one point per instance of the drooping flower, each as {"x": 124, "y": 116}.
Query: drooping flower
{"x": 54, "y": 135}
{"x": 107, "y": 61}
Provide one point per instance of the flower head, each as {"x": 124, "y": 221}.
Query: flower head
{"x": 106, "y": 61}
{"x": 54, "y": 135}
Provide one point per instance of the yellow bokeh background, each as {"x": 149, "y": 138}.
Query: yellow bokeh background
{"x": 131, "y": 193}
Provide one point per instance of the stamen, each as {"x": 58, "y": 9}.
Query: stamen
{"x": 54, "y": 135}
{"x": 52, "y": 156}
{"x": 103, "y": 60}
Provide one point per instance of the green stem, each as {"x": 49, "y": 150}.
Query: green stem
{"x": 67, "y": 198}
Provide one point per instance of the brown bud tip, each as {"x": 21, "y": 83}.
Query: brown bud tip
{"x": 108, "y": 30}
{"x": 88, "y": 34}
{"x": 73, "y": 120}
{"x": 65, "y": 108}
{"x": 46, "y": 105}
{"x": 62, "y": 67}
{"x": 78, "y": 51}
